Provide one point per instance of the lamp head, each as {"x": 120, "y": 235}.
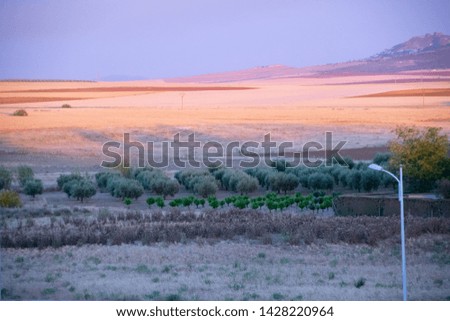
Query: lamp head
{"x": 375, "y": 167}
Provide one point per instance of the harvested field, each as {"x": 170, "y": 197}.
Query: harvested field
{"x": 18, "y": 100}
{"x": 427, "y": 92}
{"x": 130, "y": 89}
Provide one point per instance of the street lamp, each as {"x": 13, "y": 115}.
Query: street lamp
{"x": 402, "y": 218}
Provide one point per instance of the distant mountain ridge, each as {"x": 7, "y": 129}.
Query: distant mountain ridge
{"x": 427, "y": 52}
{"x": 416, "y": 45}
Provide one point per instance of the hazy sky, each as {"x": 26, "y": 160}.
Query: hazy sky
{"x": 76, "y": 39}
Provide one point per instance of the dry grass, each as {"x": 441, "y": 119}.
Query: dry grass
{"x": 46, "y": 228}
{"x": 227, "y": 270}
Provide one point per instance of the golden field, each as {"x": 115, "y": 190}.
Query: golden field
{"x": 363, "y": 110}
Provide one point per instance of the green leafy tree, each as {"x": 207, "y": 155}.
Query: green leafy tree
{"x": 125, "y": 187}
{"x": 33, "y": 187}
{"x": 82, "y": 189}
{"x": 205, "y": 186}
{"x": 422, "y": 154}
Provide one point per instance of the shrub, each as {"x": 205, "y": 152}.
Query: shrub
{"x": 66, "y": 106}
{"x": 20, "y": 112}
{"x": 127, "y": 201}
{"x": 9, "y": 199}
{"x": 33, "y": 187}
{"x": 150, "y": 201}
{"x": 160, "y": 202}
{"x": 5, "y": 178}
{"x": 24, "y": 173}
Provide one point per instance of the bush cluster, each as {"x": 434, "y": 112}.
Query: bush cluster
{"x": 9, "y": 199}
{"x": 278, "y": 181}
{"x": 357, "y": 178}
{"x": 272, "y": 201}
{"x": 20, "y": 112}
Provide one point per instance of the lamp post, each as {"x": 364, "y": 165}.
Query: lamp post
{"x": 402, "y": 219}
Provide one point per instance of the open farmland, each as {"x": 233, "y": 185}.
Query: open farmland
{"x": 297, "y": 110}
{"x": 102, "y": 249}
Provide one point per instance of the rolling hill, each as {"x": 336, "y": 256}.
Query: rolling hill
{"x": 427, "y": 52}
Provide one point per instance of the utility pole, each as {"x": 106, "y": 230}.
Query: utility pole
{"x": 182, "y": 100}
{"x": 423, "y": 92}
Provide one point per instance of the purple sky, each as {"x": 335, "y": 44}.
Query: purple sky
{"x": 91, "y": 39}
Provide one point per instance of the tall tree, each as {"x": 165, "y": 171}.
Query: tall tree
{"x": 423, "y": 154}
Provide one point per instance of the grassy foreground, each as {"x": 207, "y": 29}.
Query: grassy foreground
{"x": 228, "y": 254}
{"x": 227, "y": 270}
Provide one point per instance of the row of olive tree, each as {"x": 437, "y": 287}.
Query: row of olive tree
{"x": 236, "y": 180}
{"x": 200, "y": 182}
{"x": 277, "y": 181}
